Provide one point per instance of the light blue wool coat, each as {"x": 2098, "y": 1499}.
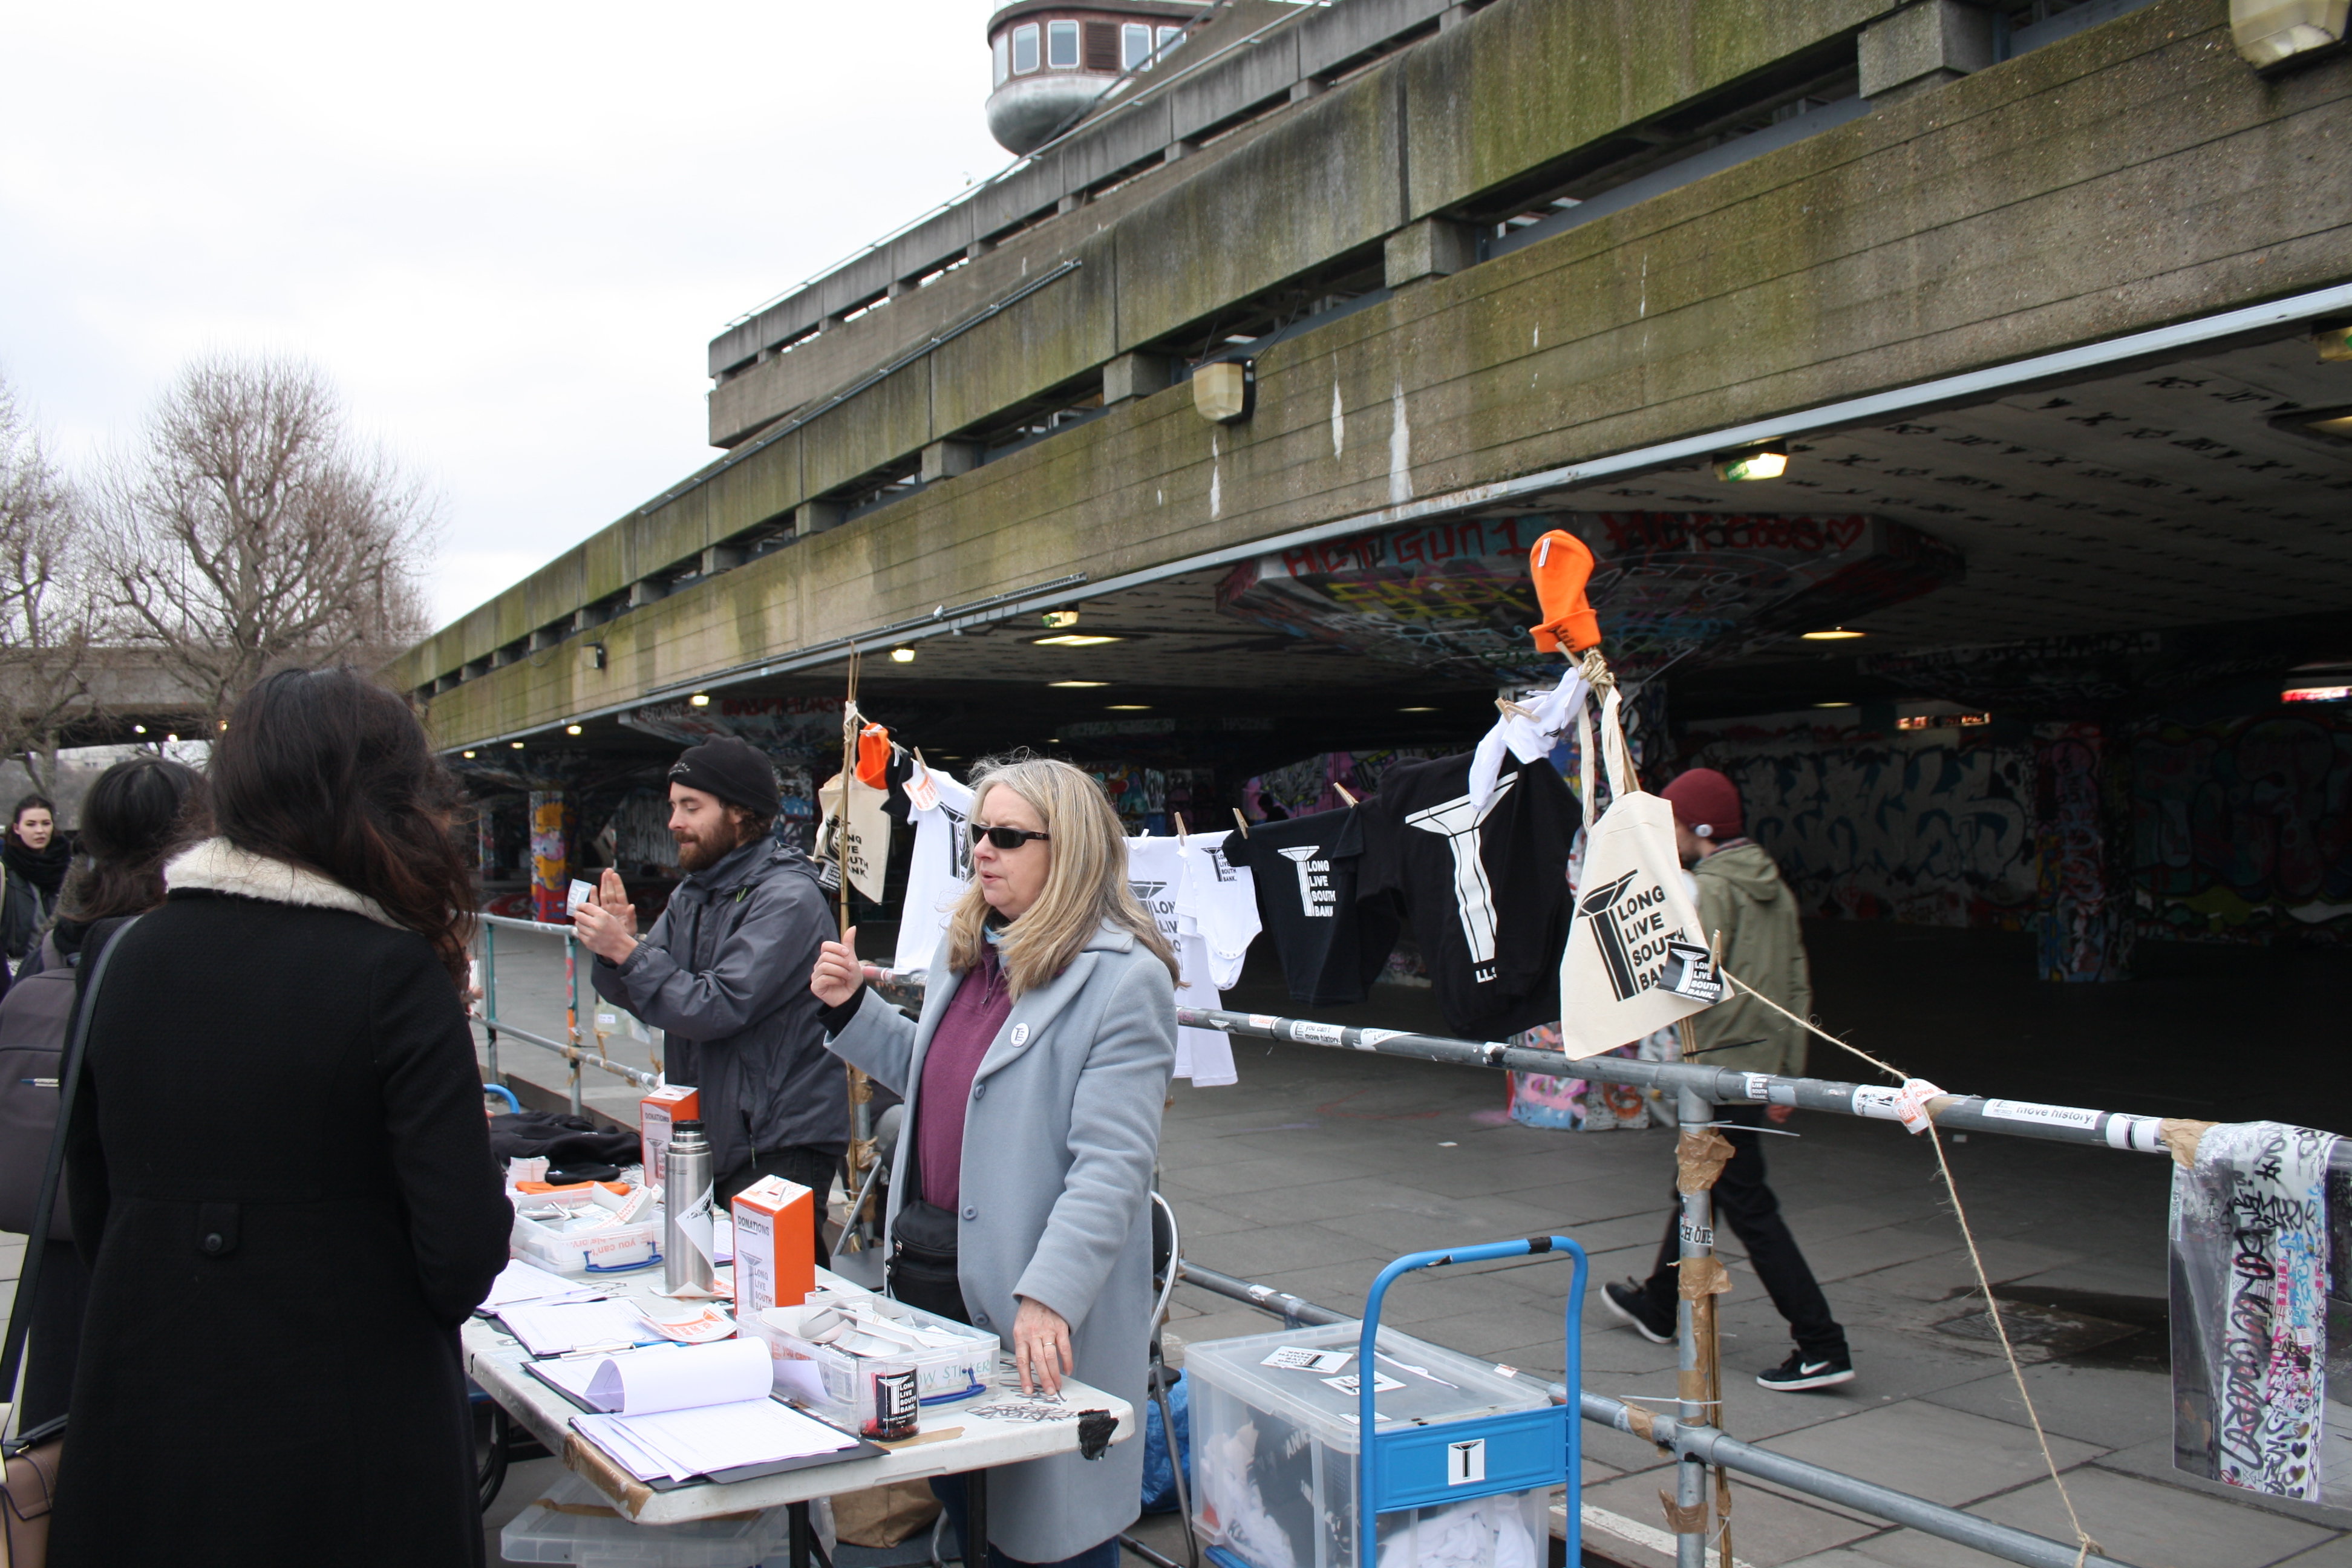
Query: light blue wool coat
{"x": 1059, "y": 1137}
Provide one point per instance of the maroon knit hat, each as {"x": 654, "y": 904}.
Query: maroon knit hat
{"x": 1706, "y": 803}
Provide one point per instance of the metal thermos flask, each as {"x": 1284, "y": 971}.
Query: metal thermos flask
{"x": 687, "y": 1239}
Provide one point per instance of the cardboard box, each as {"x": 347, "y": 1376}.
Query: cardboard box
{"x": 657, "y": 1112}
{"x": 775, "y": 1245}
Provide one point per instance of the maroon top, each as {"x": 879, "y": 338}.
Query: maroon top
{"x": 974, "y": 1014}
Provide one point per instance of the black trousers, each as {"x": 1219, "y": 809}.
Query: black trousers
{"x": 1747, "y": 1206}
{"x": 812, "y": 1168}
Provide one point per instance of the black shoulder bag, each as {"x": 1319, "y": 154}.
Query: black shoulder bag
{"x": 922, "y": 1267}
{"x": 32, "y": 1456}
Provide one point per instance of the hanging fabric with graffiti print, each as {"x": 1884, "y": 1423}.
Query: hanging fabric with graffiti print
{"x": 1631, "y": 909}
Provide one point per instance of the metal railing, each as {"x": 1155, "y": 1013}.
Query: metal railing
{"x": 572, "y": 1048}
{"x": 1691, "y": 1434}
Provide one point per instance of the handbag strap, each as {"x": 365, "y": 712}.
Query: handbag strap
{"x": 36, "y": 1244}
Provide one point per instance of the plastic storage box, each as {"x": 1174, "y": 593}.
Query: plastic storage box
{"x": 1275, "y": 1454}
{"x": 572, "y": 1521}
{"x": 826, "y": 1378}
{"x": 554, "y": 1245}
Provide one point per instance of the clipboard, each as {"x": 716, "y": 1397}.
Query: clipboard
{"x": 858, "y": 1449}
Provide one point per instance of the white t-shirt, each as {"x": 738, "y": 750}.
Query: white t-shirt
{"x": 940, "y": 869}
{"x": 1199, "y": 903}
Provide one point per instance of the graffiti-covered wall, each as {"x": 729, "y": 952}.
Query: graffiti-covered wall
{"x": 1932, "y": 829}
{"x": 2241, "y": 827}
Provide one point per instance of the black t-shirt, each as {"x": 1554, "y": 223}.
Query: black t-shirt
{"x": 1305, "y": 870}
{"x": 1486, "y": 894}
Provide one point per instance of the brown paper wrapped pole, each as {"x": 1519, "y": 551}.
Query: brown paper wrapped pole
{"x": 857, "y": 1229}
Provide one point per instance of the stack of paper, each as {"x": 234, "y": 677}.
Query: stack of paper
{"x": 520, "y": 1281}
{"x": 678, "y": 1445}
{"x": 638, "y": 1383}
{"x": 564, "y": 1327}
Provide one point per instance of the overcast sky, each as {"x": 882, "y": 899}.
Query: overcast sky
{"x": 507, "y": 231}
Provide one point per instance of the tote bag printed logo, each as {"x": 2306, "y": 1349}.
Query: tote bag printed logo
{"x": 1629, "y": 915}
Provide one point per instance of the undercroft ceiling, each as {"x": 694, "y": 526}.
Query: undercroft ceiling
{"x": 2162, "y": 497}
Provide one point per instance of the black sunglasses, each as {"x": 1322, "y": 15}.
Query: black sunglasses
{"x": 1004, "y": 837}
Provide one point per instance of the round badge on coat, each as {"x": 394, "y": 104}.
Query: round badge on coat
{"x": 1020, "y": 1034}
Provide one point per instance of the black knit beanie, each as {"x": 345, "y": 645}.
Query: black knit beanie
{"x": 734, "y": 770}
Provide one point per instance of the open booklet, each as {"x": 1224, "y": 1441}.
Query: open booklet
{"x": 671, "y": 1416}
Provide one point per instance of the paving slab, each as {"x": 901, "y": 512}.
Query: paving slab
{"x": 1949, "y": 1456}
{"x": 2141, "y": 1521}
{"x": 2107, "y": 1405}
{"x": 1767, "y": 1531}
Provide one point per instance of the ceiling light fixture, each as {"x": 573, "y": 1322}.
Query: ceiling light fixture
{"x": 1416, "y": 709}
{"x": 1126, "y": 708}
{"x": 468, "y": 755}
{"x": 173, "y": 737}
{"x": 138, "y": 729}
{"x": 700, "y": 700}
{"x": 902, "y": 655}
{"x": 1833, "y": 704}
{"x": 1768, "y": 460}
{"x": 1076, "y": 639}
{"x": 516, "y": 745}
{"x": 1077, "y": 683}
{"x": 572, "y": 729}
{"x": 1833, "y": 634}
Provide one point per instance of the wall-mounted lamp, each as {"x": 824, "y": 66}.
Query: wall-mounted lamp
{"x": 1768, "y": 460}
{"x": 595, "y": 654}
{"x": 2279, "y": 34}
{"x": 902, "y": 655}
{"x": 699, "y": 700}
{"x": 1225, "y": 392}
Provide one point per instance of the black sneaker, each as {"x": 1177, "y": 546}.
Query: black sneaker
{"x": 1629, "y": 1304}
{"x": 1801, "y": 1371}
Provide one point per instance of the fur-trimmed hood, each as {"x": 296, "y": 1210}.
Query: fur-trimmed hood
{"x": 216, "y": 866}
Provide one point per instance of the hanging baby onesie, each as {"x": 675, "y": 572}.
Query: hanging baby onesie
{"x": 2250, "y": 1288}
{"x": 1309, "y": 872}
{"x": 865, "y": 849}
{"x": 1160, "y": 875}
{"x": 939, "y": 868}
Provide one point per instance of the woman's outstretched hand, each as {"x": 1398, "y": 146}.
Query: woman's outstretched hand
{"x": 1041, "y": 1346}
{"x": 838, "y": 974}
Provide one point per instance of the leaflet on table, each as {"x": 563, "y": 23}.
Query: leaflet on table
{"x": 640, "y": 1383}
{"x": 563, "y": 1328}
{"x": 678, "y": 1445}
{"x": 520, "y": 1282}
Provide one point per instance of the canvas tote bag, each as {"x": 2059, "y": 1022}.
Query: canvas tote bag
{"x": 1636, "y": 960}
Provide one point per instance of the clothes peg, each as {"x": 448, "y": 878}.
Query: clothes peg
{"x": 1342, "y": 791}
{"x": 1242, "y": 822}
{"x": 1180, "y": 827}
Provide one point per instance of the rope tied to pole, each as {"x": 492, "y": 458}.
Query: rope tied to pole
{"x": 2083, "y": 1544}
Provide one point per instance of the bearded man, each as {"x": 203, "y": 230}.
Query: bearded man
{"x": 724, "y": 972}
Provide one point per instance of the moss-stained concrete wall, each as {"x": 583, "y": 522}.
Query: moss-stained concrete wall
{"x": 2134, "y": 174}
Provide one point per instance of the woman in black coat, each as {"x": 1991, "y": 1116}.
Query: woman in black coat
{"x": 280, "y": 1171}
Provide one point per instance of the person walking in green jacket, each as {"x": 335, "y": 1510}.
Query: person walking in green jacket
{"x": 1741, "y": 896}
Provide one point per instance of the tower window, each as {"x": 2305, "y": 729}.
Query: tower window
{"x": 1169, "y": 39}
{"x": 1134, "y": 47}
{"x": 1025, "y": 48}
{"x": 1102, "y": 47}
{"x": 1001, "y": 49}
{"x": 1062, "y": 45}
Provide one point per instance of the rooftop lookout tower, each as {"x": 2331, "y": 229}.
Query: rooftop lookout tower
{"x": 1053, "y": 60}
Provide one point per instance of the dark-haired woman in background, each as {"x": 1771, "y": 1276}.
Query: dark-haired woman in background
{"x": 33, "y": 859}
{"x": 132, "y": 814}
{"x": 279, "y": 1170}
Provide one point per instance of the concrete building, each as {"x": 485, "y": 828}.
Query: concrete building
{"x": 1270, "y": 368}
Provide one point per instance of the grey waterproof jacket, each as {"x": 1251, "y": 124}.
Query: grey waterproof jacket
{"x": 725, "y": 972}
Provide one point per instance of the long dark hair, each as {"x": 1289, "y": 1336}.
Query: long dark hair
{"x": 131, "y": 819}
{"x": 325, "y": 769}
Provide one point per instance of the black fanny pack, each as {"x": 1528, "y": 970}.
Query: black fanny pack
{"x": 922, "y": 1266}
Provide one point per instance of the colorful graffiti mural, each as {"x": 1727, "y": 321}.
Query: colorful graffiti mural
{"x": 1668, "y": 585}
{"x": 1931, "y": 830}
{"x": 551, "y": 837}
{"x": 2084, "y": 923}
{"x": 2241, "y": 827}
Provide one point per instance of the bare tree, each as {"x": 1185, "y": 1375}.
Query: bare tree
{"x": 44, "y": 599}
{"x": 252, "y": 530}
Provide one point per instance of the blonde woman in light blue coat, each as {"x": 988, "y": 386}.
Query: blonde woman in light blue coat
{"x": 1019, "y": 1201}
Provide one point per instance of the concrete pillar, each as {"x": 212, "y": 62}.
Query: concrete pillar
{"x": 717, "y": 558}
{"x": 502, "y": 657}
{"x": 816, "y": 516}
{"x": 1305, "y": 87}
{"x": 589, "y": 615}
{"x": 2083, "y": 915}
{"x": 898, "y": 286}
{"x": 946, "y": 459}
{"x": 1136, "y": 375}
{"x": 552, "y": 816}
{"x": 1177, "y": 152}
{"x": 1924, "y": 46}
{"x": 546, "y": 637}
{"x": 978, "y": 248}
{"x": 1433, "y": 248}
{"x": 1071, "y": 202}
{"x": 645, "y": 590}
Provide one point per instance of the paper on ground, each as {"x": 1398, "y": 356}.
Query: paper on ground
{"x": 679, "y": 1444}
{"x": 559, "y": 1328}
